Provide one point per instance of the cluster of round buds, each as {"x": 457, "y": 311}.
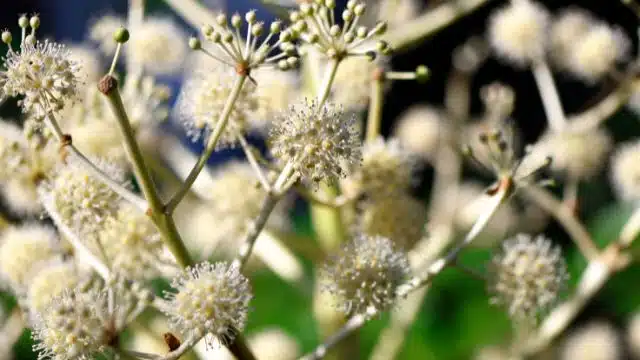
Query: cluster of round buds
{"x": 79, "y": 199}
{"x": 52, "y": 280}
{"x": 401, "y": 218}
{"x": 212, "y": 301}
{"x": 594, "y": 341}
{"x": 133, "y": 244}
{"x": 365, "y": 274}
{"x": 577, "y": 154}
{"x": 586, "y": 47}
{"x": 517, "y": 31}
{"x": 22, "y": 250}
{"x": 203, "y": 98}
{"x": 73, "y": 326}
{"x": 527, "y": 276}
{"x": 233, "y": 213}
{"x": 422, "y": 130}
{"x": 319, "y": 141}
{"x": 386, "y": 170}
{"x": 131, "y": 298}
{"x": 42, "y": 72}
{"x": 315, "y": 23}
{"x": 248, "y": 53}
{"x": 625, "y": 171}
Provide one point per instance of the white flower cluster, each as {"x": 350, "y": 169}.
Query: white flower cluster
{"x": 366, "y": 274}
{"x": 523, "y": 32}
{"x": 527, "y": 276}
{"x": 42, "y": 72}
{"x": 318, "y": 140}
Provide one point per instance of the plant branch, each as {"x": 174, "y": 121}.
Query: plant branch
{"x": 255, "y": 228}
{"x": 413, "y": 32}
{"x": 419, "y": 281}
{"x": 109, "y": 87}
{"x": 595, "y": 115}
{"x": 211, "y": 144}
{"x": 549, "y": 95}
{"x": 330, "y": 74}
{"x": 157, "y": 212}
{"x": 599, "y": 270}
{"x": 374, "y": 117}
{"x": 118, "y": 188}
{"x": 254, "y": 163}
{"x": 565, "y": 217}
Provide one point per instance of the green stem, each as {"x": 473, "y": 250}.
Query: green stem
{"x": 211, "y": 145}
{"x": 374, "y": 119}
{"x": 330, "y": 74}
{"x": 163, "y": 220}
{"x": 432, "y": 21}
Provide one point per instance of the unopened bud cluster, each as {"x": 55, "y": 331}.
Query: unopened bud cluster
{"x": 316, "y": 23}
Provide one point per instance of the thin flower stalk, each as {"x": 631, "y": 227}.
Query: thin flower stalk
{"x": 210, "y": 146}
{"x": 374, "y": 118}
{"x": 67, "y": 142}
{"x": 566, "y": 217}
{"x": 549, "y": 94}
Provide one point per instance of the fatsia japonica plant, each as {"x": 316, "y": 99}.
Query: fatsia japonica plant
{"x": 117, "y": 241}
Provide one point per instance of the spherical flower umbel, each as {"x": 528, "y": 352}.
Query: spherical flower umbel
{"x": 22, "y": 249}
{"x": 386, "y": 170}
{"x": 212, "y": 300}
{"x": 597, "y": 51}
{"x": 203, "y": 98}
{"x": 42, "y": 72}
{"x": 249, "y": 53}
{"x": 233, "y": 214}
{"x": 594, "y": 341}
{"x": 365, "y": 274}
{"x": 157, "y": 45}
{"x": 50, "y": 281}
{"x": 73, "y": 326}
{"x": 81, "y": 201}
{"x": 133, "y": 244}
{"x": 319, "y": 141}
{"x": 399, "y": 217}
{"x": 576, "y": 154}
{"x": 422, "y": 130}
{"x": 352, "y": 83}
{"x": 625, "y": 171}
{"x": 527, "y": 276}
{"x": 315, "y": 23}
{"x": 517, "y": 31}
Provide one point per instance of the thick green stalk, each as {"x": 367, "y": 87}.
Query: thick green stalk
{"x": 163, "y": 220}
{"x": 211, "y": 144}
{"x": 374, "y": 118}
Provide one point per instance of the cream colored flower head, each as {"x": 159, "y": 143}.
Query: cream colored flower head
{"x": 593, "y": 341}
{"x": 203, "y": 98}
{"x": 518, "y": 32}
{"x": 158, "y": 45}
{"x": 421, "y": 130}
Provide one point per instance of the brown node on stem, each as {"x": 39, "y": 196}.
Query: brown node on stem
{"x": 107, "y": 84}
{"x": 377, "y": 74}
{"x": 242, "y": 69}
{"x": 172, "y": 341}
